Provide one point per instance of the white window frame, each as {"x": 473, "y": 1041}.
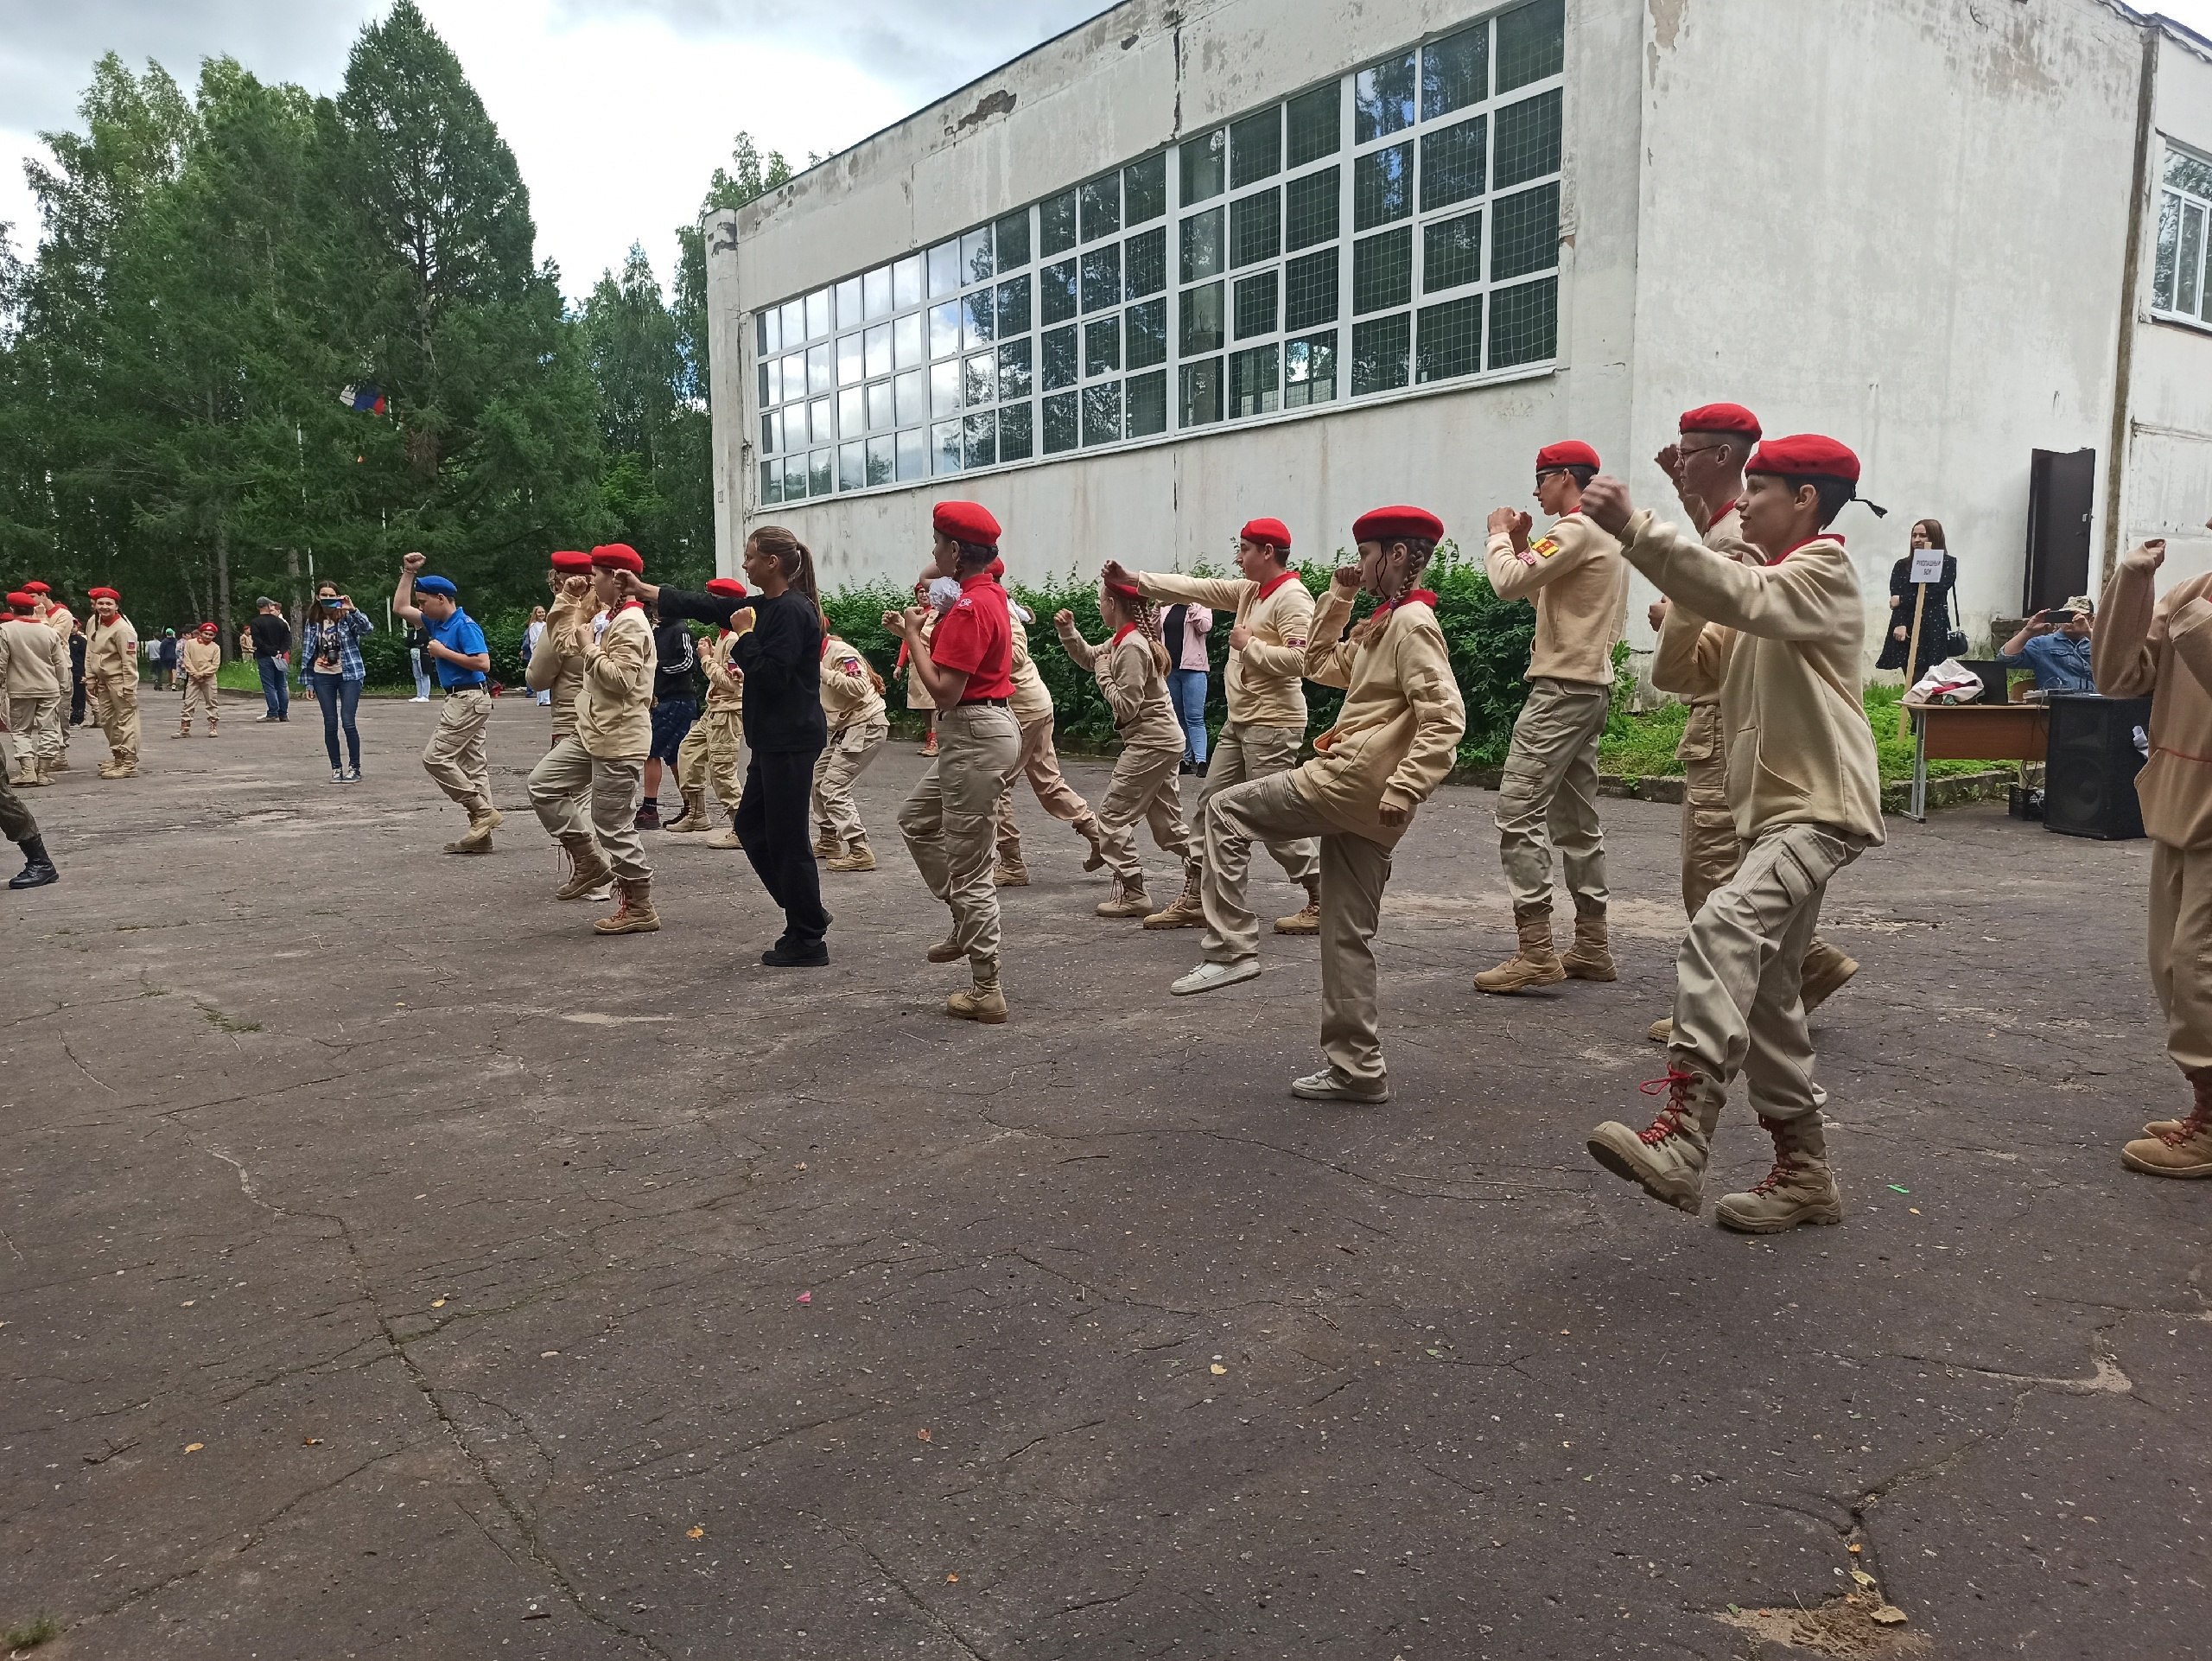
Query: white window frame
{"x": 2184, "y": 204}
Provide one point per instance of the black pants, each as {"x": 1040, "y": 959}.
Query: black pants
{"x": 772, "y": 824}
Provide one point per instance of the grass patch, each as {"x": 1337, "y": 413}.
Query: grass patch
{"x": 29, "y": 1634}
{"x": 1643, "y": 746}
{"x": 222, "y": 1022}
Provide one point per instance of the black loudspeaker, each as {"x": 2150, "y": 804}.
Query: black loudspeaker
{"x": 2089, "y": 789}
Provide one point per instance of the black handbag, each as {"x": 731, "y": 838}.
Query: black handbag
{"x": 1955, "y": 643}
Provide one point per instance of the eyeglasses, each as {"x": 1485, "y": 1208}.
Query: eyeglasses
{"x": 1688, "y": 450}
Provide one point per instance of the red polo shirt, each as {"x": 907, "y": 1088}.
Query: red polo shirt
{"x": 978, "y": 636}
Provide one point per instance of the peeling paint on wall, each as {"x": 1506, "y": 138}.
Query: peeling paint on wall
{"x": 999, "y": 103}
{"x": 1666, "y": 21}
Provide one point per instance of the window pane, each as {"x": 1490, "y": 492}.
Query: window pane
{"x": 852, "y": 418}
{"x": 2188, "y": 173}
{"x": 2162, "y": 282}
{"x": 772, "y": 383}
{"x": 1316, "y": 122}
{"x": 849, "y": 303}
{"x": 1524, "y": 232}
{"x": 1102, "y": 413}
{"x": 945, "y": 329}
{"x": 975, "y": 256}
{"x": 770, "y": 428}
{"x": 1056, "y": 224}
{"x": 768, "y": 336}
{"x": 978, "y": 325}
{"x": 881, "y": 414}
{"x": 818, "y": 313}
{"x": 1148, "y": 404}
{"x": 1055, "y": 293}
{"x": 1148, "y": 332}
{"x": 913, "y": 455}
{"x": 1531, "y": 44}
{"x": 1102, "y": 277}
{"x": 1382, "y": 271}
{"x": 1255, "y": 148}
{"x": 1528, "y": 139}
{"x": 1255, "y": 381}
{"x": 794, "y": 478}
{"x": 1255, "y": 227}
{"x": 982, "y": 436}
{"x": 944, "y": 268}
{"x": 1455, "y": 72}
{"x": 1202, "y": 172}
{"x": 907, "y": 282}
{"x": 821, "y": 469}
{"x": 851, "y": 364}
{"x": 911, "y": 397}
{"x": 1059, "y": 368}
{"x": 1144, "y": 189}
{"x": 1383, "y": 99}
{"x": 1452, "y": 253}
{"x": 1101, "y": 207}
{"x": 1310, "y": 207}
{"x": 1524, "y": 323}
{"x": 820, "y": 376}
{"x": 1448, "y": 338}
{"x": 1061, "y": 414}
{"x": 818, "y": 420}
{"x": 1310, "y": 289}
{"x": 1202, "y": 245}
{"x": 981, "y": 382}
{"x": 882, "y": 459}
{"x": 772, "y": 481}
{"x": 1201, "y": 320}
{"x": 879, "y": 350}
{"x": 1255, "y": 305}
{"x": 852, "y": 467}
{"x": 1201, "y": 393}
{"x": 1145, "y": 263}
{"x": 1309, "y": 370}
{"x": 1014, "y": 432}
{"x": 1101, "y": 345}
{"x": 944, "y": 388}
{"x": 2192, "y": 267}
{"x": 1013, "y": 370}
{"x": 794, "y": 328}
{"x": 1011, "y": 235}
{"x": 906, "y": 342}
{"x": 1452, "y": 164}
{"x": 795, "y": 376}
{"x": 1381, "y": 186}
{"x": 1014, "y": 307}
{"x": 1378, "y": 354}
{"x": 945, "y": 446}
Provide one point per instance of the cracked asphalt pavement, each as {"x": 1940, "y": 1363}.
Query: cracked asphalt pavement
{"x": 388, "y": 1265}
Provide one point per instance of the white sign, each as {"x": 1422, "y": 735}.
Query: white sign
{"x": 1927, "y": 565}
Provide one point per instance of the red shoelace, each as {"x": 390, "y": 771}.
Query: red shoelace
{"x": 1673, "y": 1118}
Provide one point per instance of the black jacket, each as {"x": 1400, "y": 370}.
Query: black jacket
{"x": 675, "y": 663}
{"x": 781, "y": 655}
{"x": 272, "y": 635}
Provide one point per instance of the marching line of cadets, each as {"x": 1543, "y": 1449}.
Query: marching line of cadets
{"x": 1760, "y": 630}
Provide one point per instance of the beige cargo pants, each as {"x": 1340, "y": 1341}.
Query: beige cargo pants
{"x": 1039, "y": 763}
{"x": 1353, "y": 874}
{"x": 710, "y": 755}
{"x": 119, "y": 696}
{"x": 843, "y": 759}
{"x": 33, "y": 734}
{"x": 1548, "y": 797}
{"x": 199, "y": 699}
{"x": 560, "y": 788}
{"x": 1244, "y": 753}
{"x": 577, "y": 792}
{"x": 1737, "y": 980}
{"x": 949, "y": 820}
{"x": 1143, "y": 787}
{"x": 2181, "y": 951}
{"x": 454, "y": 756}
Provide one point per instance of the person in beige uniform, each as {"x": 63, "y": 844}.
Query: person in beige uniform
{"x": 59, "y": 618}
{"x": 1548, "y": 797}
{"x": 33, "y": 681}
{"x": 199, "y": 661}
{"x": 1807, "y": 790}
{"x": 615, "y": 730}
{"x": 112, "y": 678}
{"x": 1034, "y": 713}
{"x": 453, "y": 757}
{"x": 2161, "y": 647}
{"x": 1132, "y": 672}
{"x": 556, "y": 662}
{"x": 918, "y": 696}
{"x": 560, "y": 793}
{"x": 852, "y": 702}
{"x": 1707, "y": 465}
{"x": 712, "y": 752}
{"x": 1394, "y": 743}
{"x": 1274, "y": 614}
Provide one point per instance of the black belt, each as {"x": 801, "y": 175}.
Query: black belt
{"x": 472, "y": 686}
{"x": 997, "y": 703}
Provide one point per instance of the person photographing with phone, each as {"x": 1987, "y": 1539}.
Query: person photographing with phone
{"x": 330, "y": 645}
{"x": 2055, "y": 645}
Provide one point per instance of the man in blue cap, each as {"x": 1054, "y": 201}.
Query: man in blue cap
{"x": 454, "y": 756}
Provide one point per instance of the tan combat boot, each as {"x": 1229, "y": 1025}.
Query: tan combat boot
{"x": 693, "y": 816}
{"x": 947, "y": 950}
{"x": 725, "y": 837}
{"x": 634, "y": 912}
{"x": 985, "y": 1001}
{"x": 1087, "y": 827}
{"x": 1667, "y": 1158}
{"x": 587, "y": 868}
{"x": 825, "y": 844}
{"x": 1185, "y": 910}
{"x": 1826, "y": 971}
{"x": 1799, "y": 1189}
{"x": 1010, "y": 872}
{"x": 478, "y": 837}
{"x": 2177, "y": 1147}
{"x": 1661, "y": 1031}
{"x": 182, "y": 733}
{"x": 1129, "y": 901}
{"x": 1307, "y": 921}
{"x": 1591, "y": 956}
{"x": 859, "y": 857}
{"x": 1535, "y": 964}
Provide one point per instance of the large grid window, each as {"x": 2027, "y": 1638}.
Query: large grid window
{"x": 1393, "y": 228}
{"x": 2181, "y": 286}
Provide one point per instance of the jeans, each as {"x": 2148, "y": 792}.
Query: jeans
{"x": 338, "y": 695}
{"x": 421, "y": 674}
{"x": 274, "y": 692}
{"x": 1187, "y": 694}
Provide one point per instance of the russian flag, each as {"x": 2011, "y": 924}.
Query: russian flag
{"x": 363, "y": 397}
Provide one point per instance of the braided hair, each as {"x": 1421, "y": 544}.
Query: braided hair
{"x": 1419, "y": 552}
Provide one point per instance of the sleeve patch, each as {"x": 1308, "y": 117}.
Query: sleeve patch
{"x": 1544, "y": 547}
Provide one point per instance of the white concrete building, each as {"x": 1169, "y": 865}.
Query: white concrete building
{"x": 1198, "y": 260}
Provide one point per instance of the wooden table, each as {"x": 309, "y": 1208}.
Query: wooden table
{"x": 1972, "y": 732}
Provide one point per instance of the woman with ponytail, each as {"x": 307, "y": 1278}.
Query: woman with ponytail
{"x": 1132, "y": 670}
{"x": 780, "y": 657}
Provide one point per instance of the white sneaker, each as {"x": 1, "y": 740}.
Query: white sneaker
{"x": 1326, "y": 1086}
{"x": 1208, "y": 975}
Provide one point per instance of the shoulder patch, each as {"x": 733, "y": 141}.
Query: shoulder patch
{"x": 1544, "y": 547}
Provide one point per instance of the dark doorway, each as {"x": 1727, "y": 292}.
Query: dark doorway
{"x": 2062, "y": 493}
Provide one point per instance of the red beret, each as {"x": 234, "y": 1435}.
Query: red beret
{"x": 21, "y": 602}
{"x": 36, "y": 586}
{"x": 619, "y": 556}
{"x": 966, "y": 522}
{"x": 728, "y": 587}
{"x": 996, "y": 568}
{"x": 1389, "y": 524}
{"x": 206, "y": 628}
{"x": 1274, "y": 531}
{"x": 1569, "y": 453}
{"x": 1129, "y": 591}
{"x": 1805, "y": 455}
{"x": 103, "y": 594}
{"x": 570, "y": 563}
{"x": 1721, "y": 418}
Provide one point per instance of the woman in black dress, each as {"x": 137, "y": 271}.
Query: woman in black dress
{"x": 1935, "y": 619}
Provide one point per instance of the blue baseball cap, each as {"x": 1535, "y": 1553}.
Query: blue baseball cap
{"x": 437, "y": 585}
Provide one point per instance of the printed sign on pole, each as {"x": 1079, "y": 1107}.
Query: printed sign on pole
{"x": 1927, "y": 565}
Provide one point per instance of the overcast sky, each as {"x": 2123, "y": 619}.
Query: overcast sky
{"x": 618, "y": 110}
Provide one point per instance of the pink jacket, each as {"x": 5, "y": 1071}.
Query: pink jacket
{"x": 1198, "y": 623}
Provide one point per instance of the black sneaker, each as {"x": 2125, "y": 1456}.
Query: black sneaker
{"x": 352, "y": 775}
{"x": 796, "y": 954}
{"x": 338, "y": 775}
{"x": 648, "y": 818}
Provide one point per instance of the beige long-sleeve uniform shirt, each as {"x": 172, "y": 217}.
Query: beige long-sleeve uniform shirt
{"x": 725, "y": 685}
{"x": 1135, "y": 688}
{"x": 1402, "y": 717}
{"x": 849, "y": 696}
{"x": 199, "y": 659}
{"x": 557, "y": 665}
{"x": 1265, "y": 681}
{"x": 1032, "y": 700}
{"x": 111, "y": 650}
{"x": 1800, "y": 751}
{"x": 614, "y": 710}
{"x": 33, "y": 660}
{"x": 1579, "y": 582}
{"x": 2161, "y": 648}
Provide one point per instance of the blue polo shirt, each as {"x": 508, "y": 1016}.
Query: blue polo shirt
{"x": 459, "y": 634}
